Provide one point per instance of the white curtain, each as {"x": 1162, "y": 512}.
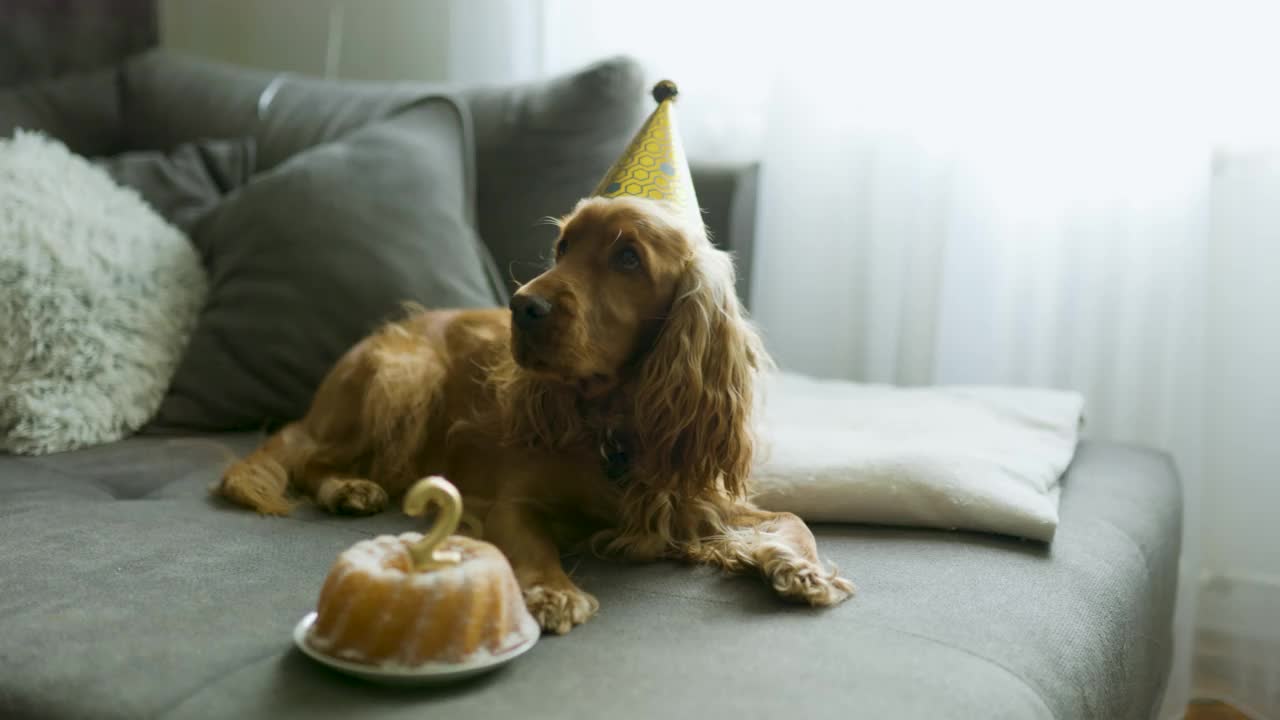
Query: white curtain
{"x": 1073, "y": 195}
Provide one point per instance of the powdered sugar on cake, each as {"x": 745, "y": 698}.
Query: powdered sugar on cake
{"x": 376, "y": 610}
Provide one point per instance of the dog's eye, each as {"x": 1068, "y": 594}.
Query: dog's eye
{"x": 628, "y": 259}
{"x": 562, "y": 248}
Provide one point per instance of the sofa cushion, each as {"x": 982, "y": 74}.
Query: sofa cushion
{"x": 125, "y": 581}
{"x": 188, "y": 181}
{"x": 311, "y": 256}
{"x": 540, "y": 147}
{"x": 45, "y": 39}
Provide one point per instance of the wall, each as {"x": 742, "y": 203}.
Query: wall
{"x": 371, "y": 40}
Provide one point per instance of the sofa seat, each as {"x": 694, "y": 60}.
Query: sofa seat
{"x": 127, "y": 591}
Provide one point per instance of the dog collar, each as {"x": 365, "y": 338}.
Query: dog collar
{"x": 614, "y": 458}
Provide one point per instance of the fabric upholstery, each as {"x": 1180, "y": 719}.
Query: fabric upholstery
{"x": 184, "y": 184}
{"x": 81, "y": 110}
{"x": 313, "y": 255}
{"x": 44, "y": 38}
{"x": 129, "y": 593}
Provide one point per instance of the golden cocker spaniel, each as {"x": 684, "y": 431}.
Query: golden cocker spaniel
{"x": 614, "y": 399}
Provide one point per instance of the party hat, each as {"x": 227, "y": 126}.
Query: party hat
{"x": 654, "y": 165}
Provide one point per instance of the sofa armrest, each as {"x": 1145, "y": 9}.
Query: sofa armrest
{"x": 727, "y": 193}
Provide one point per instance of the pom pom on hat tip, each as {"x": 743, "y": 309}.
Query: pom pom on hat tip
{"x": 664, "y": 90}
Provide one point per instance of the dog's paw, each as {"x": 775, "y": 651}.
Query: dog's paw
{"x": 809, "y": 582}
{"x": 256, "y": 485}
{"x": 352, "y": 497}
{"x": 559, "y": 609}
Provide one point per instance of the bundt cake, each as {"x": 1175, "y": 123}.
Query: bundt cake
{"x": 410, "y": 601}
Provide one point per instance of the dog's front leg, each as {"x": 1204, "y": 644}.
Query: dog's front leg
{"x": 788, "y": 558}
{"x": 781, "y": 548}
{"x": 524, "y": 537}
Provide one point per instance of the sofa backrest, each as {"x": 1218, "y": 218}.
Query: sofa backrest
{"x": 536, "y": 148}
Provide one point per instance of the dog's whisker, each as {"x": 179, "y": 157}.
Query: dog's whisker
{"x": 511, "y": 266}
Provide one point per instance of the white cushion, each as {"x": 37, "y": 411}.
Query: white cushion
{"x": 974, "y": 458}
{"x": 98, "y": 295}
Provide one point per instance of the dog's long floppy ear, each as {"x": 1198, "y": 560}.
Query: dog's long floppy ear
{"x": 695, "y": 398}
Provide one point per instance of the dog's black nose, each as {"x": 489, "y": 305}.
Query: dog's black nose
{"x": 527, "y": 309}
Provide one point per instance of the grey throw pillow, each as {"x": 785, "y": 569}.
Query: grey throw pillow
{"x": 187, "y": 182}
{"x": 540, "y": 147}
{"x": 310, "y": 257}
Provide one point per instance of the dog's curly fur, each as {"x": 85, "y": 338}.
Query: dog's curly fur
{"x": 637, "y": 343}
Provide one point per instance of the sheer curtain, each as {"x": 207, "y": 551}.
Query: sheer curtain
{"x": 1072, "y": 195}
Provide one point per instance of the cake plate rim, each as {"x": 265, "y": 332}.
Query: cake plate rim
{"x": 431, "y": 674}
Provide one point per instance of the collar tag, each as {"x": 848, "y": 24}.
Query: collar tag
{"x": 614, "y": 459}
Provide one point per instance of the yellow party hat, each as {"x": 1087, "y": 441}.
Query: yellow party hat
{"x": 654, "y": 165}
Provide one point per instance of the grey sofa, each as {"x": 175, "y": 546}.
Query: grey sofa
{"x": 126, "y": 591}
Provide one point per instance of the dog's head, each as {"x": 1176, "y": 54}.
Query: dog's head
{"x": 590, "y": 317}
{"x": 639, "y": 296}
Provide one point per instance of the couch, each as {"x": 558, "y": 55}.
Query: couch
{"x": 127, "y": 591}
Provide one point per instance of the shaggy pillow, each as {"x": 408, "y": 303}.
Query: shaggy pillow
{"x": 97, "y": 298}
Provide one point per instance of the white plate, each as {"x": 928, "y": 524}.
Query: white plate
{"x": 433, "y": 674}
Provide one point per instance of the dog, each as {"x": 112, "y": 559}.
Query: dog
{"x": 611, "y": 403}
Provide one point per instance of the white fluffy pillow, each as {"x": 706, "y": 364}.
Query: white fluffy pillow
{"x": 98, "y": 295}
